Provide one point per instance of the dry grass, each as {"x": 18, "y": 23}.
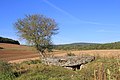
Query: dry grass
{"x": 106, "y": 67}
{"x": 100, "y": 53}
{"x": 13, "y": 52}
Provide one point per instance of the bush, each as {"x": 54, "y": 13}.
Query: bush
{"x": 70, "y": 54}
{"x": 45, "y": 72}
{"x": 1, "y": 48}
{"x": 101, "y": 69}
{"x": 7, "y": 40}
{"x": 32, "y": 62}
{"x": 6, "y": 71}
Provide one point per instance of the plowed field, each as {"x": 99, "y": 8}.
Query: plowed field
{"x": 17, "y": 53}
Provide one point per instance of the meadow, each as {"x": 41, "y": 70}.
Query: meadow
{"x": 105, "y": 67}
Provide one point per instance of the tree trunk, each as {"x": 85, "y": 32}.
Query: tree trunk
{"x": 43, "y": 54}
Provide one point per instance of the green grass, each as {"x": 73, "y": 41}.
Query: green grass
{"x": 100, "y": 69}
{"x": 6, "y": 71}
{"x": 39, "y": 71}
{"x": 70, "y": 54}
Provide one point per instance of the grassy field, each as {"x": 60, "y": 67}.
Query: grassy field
{"x": 100, "y": 69}
{"x": 105, "y": 67}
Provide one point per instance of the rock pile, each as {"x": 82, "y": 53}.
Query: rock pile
{"x": 73, "y": 62}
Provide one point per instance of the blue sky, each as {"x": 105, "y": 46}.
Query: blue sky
{"x": 78, "y": 20}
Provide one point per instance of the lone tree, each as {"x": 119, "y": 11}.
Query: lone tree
{"x": 38, "y": 31}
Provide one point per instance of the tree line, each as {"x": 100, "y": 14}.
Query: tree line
{"x": 7, "y": 40}
{"x": 115, "y": 45}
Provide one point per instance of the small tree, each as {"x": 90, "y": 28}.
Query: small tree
{"x": 37, "y": 30}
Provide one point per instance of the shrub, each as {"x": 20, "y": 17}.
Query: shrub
{"x": 70, "y": 54}
{"x": 1, "y": 48}
{"x": 7, "y": 40}
{"x": 32, "y": 62}
{"x": 45, "y": 72}
{"x": 6, "y": 71}
{"x": 101, "y": 69}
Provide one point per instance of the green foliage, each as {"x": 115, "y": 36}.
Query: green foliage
{"x": 115, "y": 45}
{"x": 32, "y": 62}
{"x": 7, "y": 40}
{"x": 101, "y": 69}
{"x": 6, "y": 71}
{"x": 45, "y": 72}
{"x": 70, "y": 54}
{"x": 37, "y": 30}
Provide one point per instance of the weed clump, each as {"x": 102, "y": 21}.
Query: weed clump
{"x": 70, "y": 54}
{"x": 6, "y": 71}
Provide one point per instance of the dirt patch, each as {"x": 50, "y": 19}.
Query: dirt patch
{"x": 13, "y": 52}
{"x": 14, "y": 55}
{"x": 21, "y": 60}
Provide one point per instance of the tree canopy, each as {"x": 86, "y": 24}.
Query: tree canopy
{"x": 7, "y": 40}
{"x": 37, "y": 30}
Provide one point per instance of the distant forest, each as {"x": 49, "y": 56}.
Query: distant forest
{"x": 73, "y": 46}
{"x": 7, "y": 40}
{"x": 88, "y": 46}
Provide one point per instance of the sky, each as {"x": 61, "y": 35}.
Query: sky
{"x": 78, "y": 20}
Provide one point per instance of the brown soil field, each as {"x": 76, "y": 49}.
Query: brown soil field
{"x": 18, "y": 53}
{"x": 15, "y": 52}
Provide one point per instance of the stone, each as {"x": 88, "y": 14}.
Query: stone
{"x": 73, "y": 62}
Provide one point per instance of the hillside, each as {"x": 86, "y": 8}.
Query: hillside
{"x": 8, "y": 40}
{"x": 88, "y": 46}
{"x": 79, "y": 43}
{"x": 15, "y": 52}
